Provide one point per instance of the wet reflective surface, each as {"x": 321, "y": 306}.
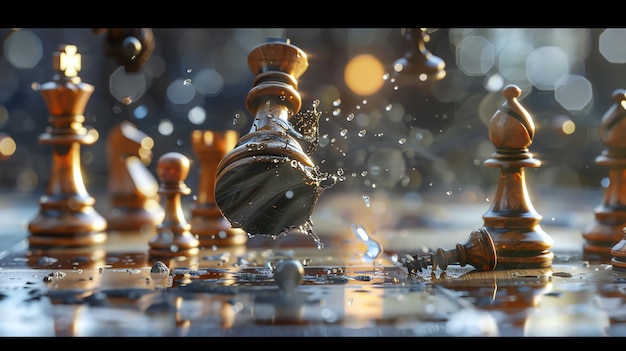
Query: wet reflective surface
{"x": 117, "y": 290}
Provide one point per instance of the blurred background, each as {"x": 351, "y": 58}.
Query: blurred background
{"x": 382, "y": 133}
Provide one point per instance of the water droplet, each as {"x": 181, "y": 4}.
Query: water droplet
{"x": 367, "y": 200}
{"x": 187, "y": 81}
{"x": 362, "y": 132}
{"x": 374, "y": 249}
{"x": 189, "y": 70}
{"x": 388, "y": 107}
{"x": 343, "y": 132}
{"x": 350, "y": 117}
{"x": 402, "y": 141}
{"x": 127, "y": 100}
{"x": 449, "y": 192}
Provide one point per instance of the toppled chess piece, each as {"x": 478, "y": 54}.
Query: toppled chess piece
{"x": 268, "y": 184}
{"x": 133, "y": 190}
{"x": 512, "y": 221}
{"x": 67, "y": 217}
{"x": 478, "y": 251}
{"x": 610, "y": 215}
{"x": 173, "y": 237}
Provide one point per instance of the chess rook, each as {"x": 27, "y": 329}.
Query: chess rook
{"x": 512, "y": 221}
{"x": 173, "y": 237}
{"x": 66, "y": 216}
{"x": 610, "y": 216}
{"x": 207, "y": 221}
{"x": 132, "y": 189}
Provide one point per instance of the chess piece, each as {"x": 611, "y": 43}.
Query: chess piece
{"x": 173, "y": 237}
{"x": 618, "y": 254}
{"x": 207, "y": 221}
{"x": 131, "y": 47}
{"x": 67, "y": 217}
{"x": 478, "y": 251}
{"x": 512, "y": 220}
{"x": 418, "y": 61}
{"x": 610, "y": 216}
{"x": 268, "y": 184}
{"x": 132, "y": 189}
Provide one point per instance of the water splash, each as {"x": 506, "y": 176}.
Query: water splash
{"x": 374, "y": 248}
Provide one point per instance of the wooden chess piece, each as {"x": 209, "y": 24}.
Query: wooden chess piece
{"x": 478, "y": 251}
{"x": 618, "y": 253}
{"x": 132, "y": 189}
{"x": 268, "y": 184}
{"x": 207, "y": 221}
{"x": 512, "y": 220}
{"x": 173, "y": 237}
{"x": 67, "y": 217}
{"x": 610, "y": 215}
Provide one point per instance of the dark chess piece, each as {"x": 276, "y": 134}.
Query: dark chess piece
{"x": 268, "y": 184}
{"x": 610, "y": 216}
{"x": 478, "y": 251}
{"x": 418, "y": 61}
{"x": 67, "y": 217}
{"x": 133, "y": 190}
{"x": 173, "y": 237}
{"x": 512, "y": 220}
{"x": 131, "y": 47}
{"x": 207, "y": 221}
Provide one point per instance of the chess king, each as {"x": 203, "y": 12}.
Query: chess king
{"x": 67, "y": 217}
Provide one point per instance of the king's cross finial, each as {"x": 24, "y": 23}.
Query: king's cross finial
{"x": 67, "y": 61}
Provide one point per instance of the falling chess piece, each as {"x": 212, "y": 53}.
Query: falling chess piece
{"x": 419, "y": 61}
{"x": 610, "y": 216}
{"x": 67, "y": 217}
{"x": 268, "y": 184}
{"x": 173, "y": 237}
{"x": 133, "y": 190}
{"x": 478, "y": 251}
{"x": 207, "y": 221}
{"x": 512, "y": 220}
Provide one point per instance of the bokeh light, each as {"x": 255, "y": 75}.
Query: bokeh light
{"x": 364, "y": 74}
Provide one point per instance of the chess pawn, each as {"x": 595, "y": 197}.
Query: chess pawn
{"x": 133, "y": 190}
{"x": 477, "y": 251}
{"x": 268, "y": 184}
{"x": 207, "y": 221}
{"x": 173, "y": 237}
{"x": 610, "y": 216}
{"x": 512, "y": 220}
{"x": 67, "y": 217}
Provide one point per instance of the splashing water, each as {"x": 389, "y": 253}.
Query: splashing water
{"x": 374, "y": 248}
